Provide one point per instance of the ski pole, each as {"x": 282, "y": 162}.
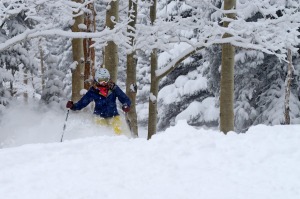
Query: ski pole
{"x": 65, "y": 125}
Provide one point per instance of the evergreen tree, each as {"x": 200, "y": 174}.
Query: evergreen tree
{"x": 192, "y": 71}
{"x": 247, "y": 84}
{"x": 54, "y": 87}
{"x": 186, "y": 85}
{"x": 270, "y": 101}
{"x": 18, "y": 57}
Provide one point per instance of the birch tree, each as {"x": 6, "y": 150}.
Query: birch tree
{"x": 89, "y": 51}
{"x": 111, "y": 58}
{"x": 78, "y": 57}
{"x": 227, "y": 75}
{"x": 154, "y": 81}
{"x": 131, "y": 86}
{"x": 288, "y": 88}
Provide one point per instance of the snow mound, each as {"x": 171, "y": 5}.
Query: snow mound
{"x": 181, "y": 162}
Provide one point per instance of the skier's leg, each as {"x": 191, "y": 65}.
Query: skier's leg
{"x": 116, "y": 124}
{"x": 101, "y": 121}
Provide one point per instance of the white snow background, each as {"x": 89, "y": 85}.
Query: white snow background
{"x": 180, "y": 163}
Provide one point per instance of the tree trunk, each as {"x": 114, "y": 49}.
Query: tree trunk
{"x": 25, "y": 81}
{"x": 288, "y": 89}
{"x": 11, "y": 88}
{"x": 153, "y": 96}
{"x": 89, "y": 52}
{"x": 78, "y": 56}
{"x": 131, "y": 87}
{"x": 11, "y": 83}
{"x": 154, "y": 82}
{"x": 227, "y": 77}
{"x": 42, "y": 64}
{"x": 111, "y": 50}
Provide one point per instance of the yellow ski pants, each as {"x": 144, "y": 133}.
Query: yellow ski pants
{"x": 114, "y": 122}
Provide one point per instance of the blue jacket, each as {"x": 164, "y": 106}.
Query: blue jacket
{"x": 104, "y": 106}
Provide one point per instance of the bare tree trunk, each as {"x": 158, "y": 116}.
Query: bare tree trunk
{"x": 78, "y": 56}
{"x": 288, "y": 89}
{"x": 111, "y": 58}
{"x": 11, "y": 83}
{"x": 89, "y": 52}
{"x": 227, "y": 77}
{"x": 152, "y": 121}
{"x": 25, "y": 81}
{"x": 153, "y": 96}
{"x": 131, "y": 87}
{"x": 11, "y": 88}
{"x": 42, "y": 64}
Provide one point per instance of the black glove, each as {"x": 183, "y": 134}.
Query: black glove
{"x": 70, "y": 104}
{"x": 125, "y": 108}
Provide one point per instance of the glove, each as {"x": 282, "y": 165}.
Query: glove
{"x": 70, "y": 104}
{"x": 111, "y": 85}
{"x": 125, "y": 108}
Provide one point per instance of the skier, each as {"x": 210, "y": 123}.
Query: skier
{"x": 104, "y": 93}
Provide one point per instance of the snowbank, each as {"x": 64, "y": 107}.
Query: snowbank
{"x": 180, "y": 163}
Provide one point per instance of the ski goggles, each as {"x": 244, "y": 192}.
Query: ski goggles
{"x": 102, "y": 82}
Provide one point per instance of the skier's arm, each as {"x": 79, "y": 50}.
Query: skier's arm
{"x": 83, "y": 102}
{"x": 123, "y": 98}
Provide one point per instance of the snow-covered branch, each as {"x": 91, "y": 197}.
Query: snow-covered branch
{"x": 115, "y": 35}
{"x": 160, "y": 73}
{"x": 272, "y": 34}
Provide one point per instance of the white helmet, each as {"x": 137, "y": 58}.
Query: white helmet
{"x": 102, "y": 74}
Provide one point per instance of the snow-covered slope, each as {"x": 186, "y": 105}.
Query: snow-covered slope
{"x": 180, "y": 163}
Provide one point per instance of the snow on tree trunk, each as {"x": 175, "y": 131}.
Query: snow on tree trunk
{"x": 153, "y": 96}
{"x": 89, "y": 52}
{"x": 131, "y": 88}
{"x": 131, "y": 91}
{"x": 154, "y": 82}
{"x": 78, "y": 56}
{"x": 227, "y": 77}
{"x": 288, "y": 81}
{"x": 111, "y": 57}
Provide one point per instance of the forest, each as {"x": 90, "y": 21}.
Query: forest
{"x": 226, "y": 65}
